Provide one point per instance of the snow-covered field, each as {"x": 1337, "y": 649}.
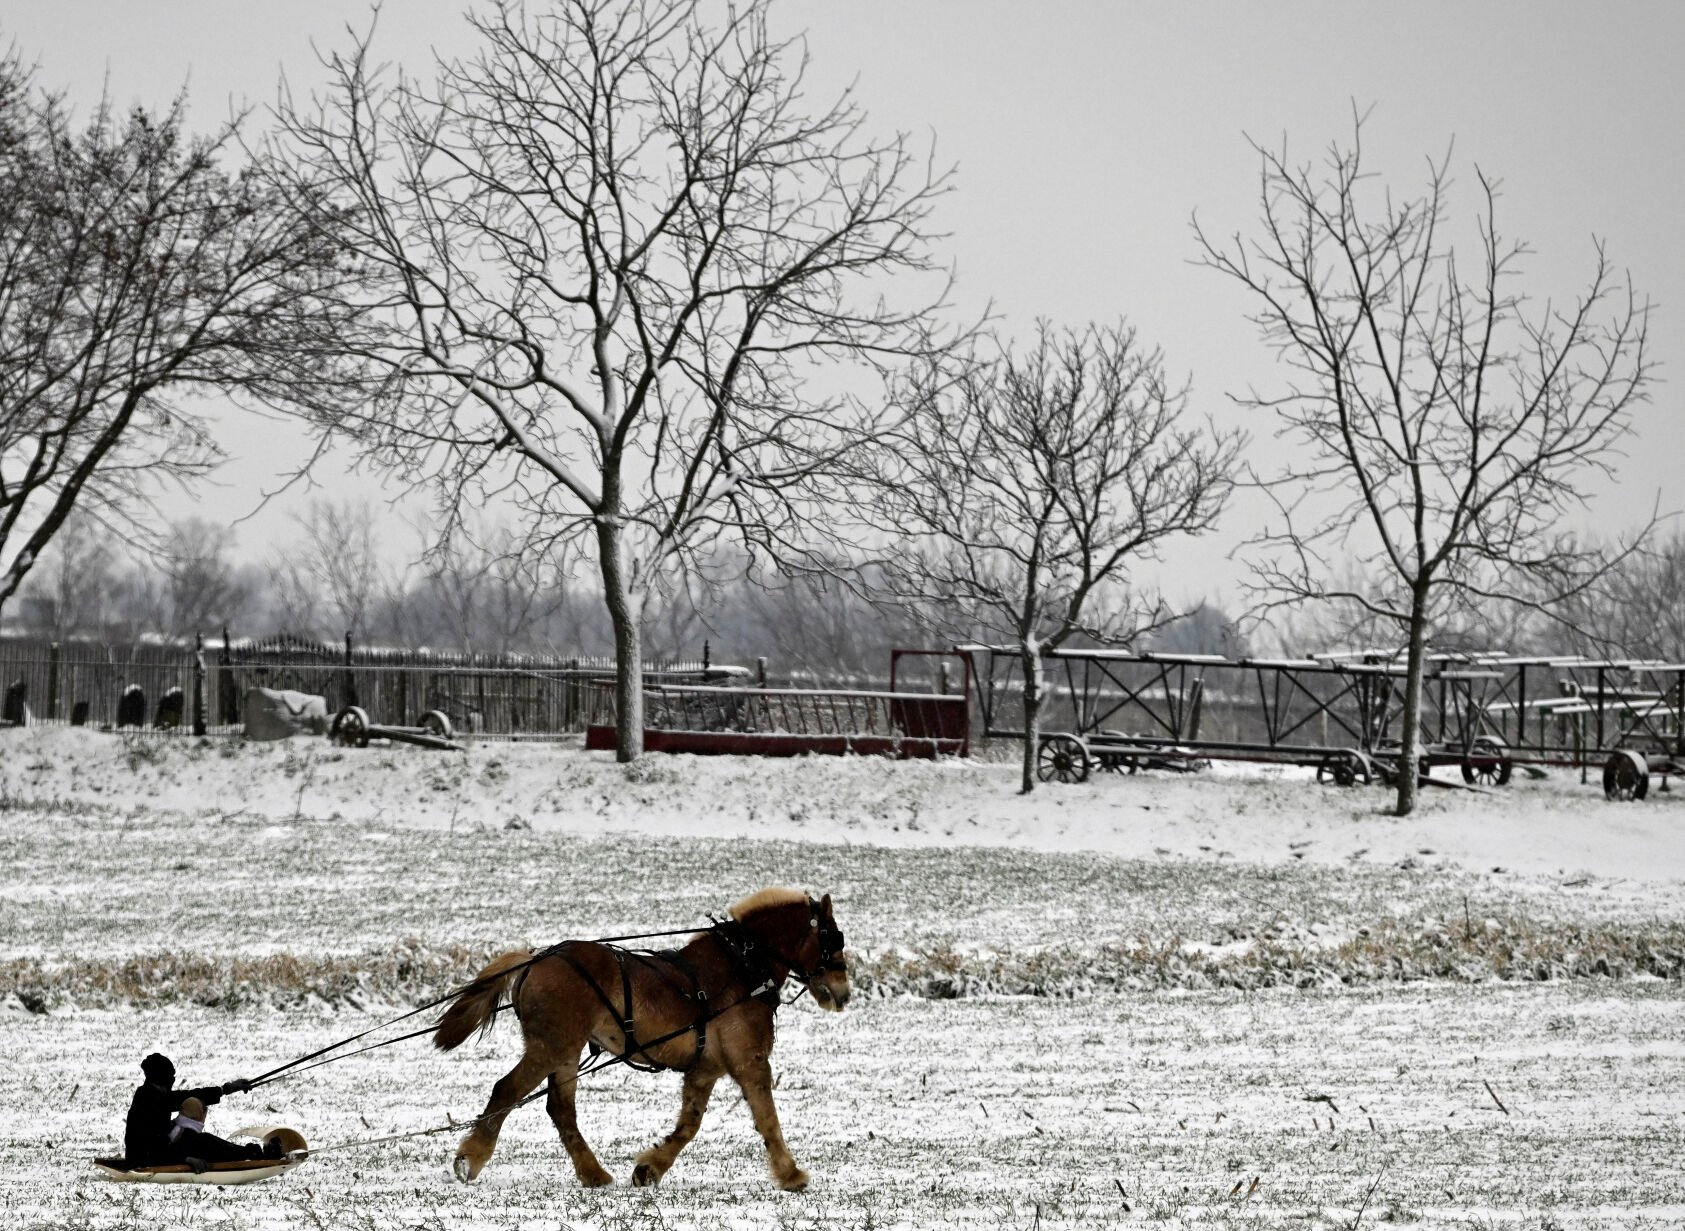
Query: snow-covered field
{"x": 1222, "y": 999}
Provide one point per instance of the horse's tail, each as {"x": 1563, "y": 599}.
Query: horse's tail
{"x": 476, "y": 1007}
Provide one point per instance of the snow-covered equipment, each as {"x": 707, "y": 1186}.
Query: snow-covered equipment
{"x": 277, "y": 713}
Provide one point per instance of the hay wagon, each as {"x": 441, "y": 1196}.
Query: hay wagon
{"x": 1340, "y": 714}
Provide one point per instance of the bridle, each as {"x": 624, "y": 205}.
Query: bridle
{"x": 752, "y": 955}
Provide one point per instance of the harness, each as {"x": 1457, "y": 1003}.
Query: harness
{"x": 659, "y": 961}
{"x": 755, "y": 960}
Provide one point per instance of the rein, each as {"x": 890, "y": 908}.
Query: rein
{"x": 302, "y": 1063}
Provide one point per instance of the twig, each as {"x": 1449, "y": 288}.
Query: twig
{"x": 1494, "y": 1094}
{"x": 1366, "y": 1197}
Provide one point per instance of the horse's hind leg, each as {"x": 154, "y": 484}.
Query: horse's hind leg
{"x": 653, "y": 1163}
{"x": 520, "y": 1081}
{"x": 559, "y": 1103}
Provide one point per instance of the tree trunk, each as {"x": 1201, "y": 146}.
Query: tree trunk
{"x": 1410, "y": 751}
{"x": 1029, "y": 657}
{"x": 625, "y": 616}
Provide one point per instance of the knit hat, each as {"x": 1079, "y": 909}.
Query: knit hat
{"x": 158, "y": 1068}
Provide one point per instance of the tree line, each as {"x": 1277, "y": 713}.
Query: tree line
{"x": 627, "y": 302}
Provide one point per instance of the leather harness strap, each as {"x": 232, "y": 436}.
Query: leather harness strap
{"x": 757, "y": 961}
{"x": 630, "y": 1047}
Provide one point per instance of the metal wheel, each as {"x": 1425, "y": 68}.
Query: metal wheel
{"x": 1487, "y": 763}
{"x": 1626, "y": 775}
{"x": 1062, "y": 758}
{"x": 1345, "y": 769}
{"x": 436, "y": 722}
{"x": 350, "y": 728}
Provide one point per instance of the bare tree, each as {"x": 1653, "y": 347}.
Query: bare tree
{"x": 491, "y": 591}
{"x": 69, "y": 591}
{"x": 336, "y": 566}
{"x": 134, "y": 271}
{"x": 1441, "y": 426}
{"x": 605, "y": 256}
{"x": 1206, "y": 629}
{"x": 189, "y": 585}
{"x": 1023, "y": 491}
{"x": 1638, "y": 608}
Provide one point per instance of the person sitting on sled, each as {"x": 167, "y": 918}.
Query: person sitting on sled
{"x": 150, "y": 1138}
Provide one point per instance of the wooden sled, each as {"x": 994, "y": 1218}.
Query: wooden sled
{"x": 245, "y": 1171}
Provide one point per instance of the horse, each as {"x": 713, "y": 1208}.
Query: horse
{"x": 705, "y": 1009}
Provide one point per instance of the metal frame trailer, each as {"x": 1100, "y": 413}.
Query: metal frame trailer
{"x": 1341, "y": 714}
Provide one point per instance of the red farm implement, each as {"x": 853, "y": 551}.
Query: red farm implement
{"x": 792, "y": 721}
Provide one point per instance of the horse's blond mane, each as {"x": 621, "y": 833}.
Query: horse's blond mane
{"x": 766, "y": 899}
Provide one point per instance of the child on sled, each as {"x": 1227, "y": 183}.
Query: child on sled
{"x": 150, "y": 1137}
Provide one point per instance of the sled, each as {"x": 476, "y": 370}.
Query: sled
{"x": 244, "y": 1171}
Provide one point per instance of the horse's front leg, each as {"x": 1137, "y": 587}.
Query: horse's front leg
{"x": 559, "y": 1103}
{"x": 653, "y": 1163}
{"x": 755, "y": 1077}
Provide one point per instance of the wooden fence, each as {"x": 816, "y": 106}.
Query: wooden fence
{"x": 160, "y": 686}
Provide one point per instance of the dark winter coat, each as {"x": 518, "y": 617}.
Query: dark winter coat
{"x": 146, "y": 1133}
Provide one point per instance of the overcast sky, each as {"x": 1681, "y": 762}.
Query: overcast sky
{"x": 1086, "y": 135}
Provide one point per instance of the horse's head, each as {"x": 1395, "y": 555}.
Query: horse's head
{"x": 803, "y": 934}
{"x": 826, "y": 974}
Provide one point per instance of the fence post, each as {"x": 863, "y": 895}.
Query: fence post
{"x": 350, "y": 677}
{"x": 198, "y": 683}
{"x": 706, "y": 649}
{"x": 227, "y": 699}
{"x": 760, "y": 672}
{"x": 53, "y": 682}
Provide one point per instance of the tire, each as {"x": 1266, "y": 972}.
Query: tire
{"x": 1062, "y": 758}
{"x": 436, "y": 722}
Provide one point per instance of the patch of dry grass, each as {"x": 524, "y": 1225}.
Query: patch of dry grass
{"x": 1387, "y": 952}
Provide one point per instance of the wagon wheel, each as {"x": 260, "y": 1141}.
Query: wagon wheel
{"x": 1345, "y": 769}
{"x": 1626, "y": 775}
{"x": 1487, "y": 763}
{"x": 1062, "y": 758}
{"x": 350, "y": 728}
{"x": 436, "y": 722}
{"x": 1117, "y": 760}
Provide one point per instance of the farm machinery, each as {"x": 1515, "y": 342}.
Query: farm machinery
{"x": 352, "y": 728}
{"x": 1483, "y": 714}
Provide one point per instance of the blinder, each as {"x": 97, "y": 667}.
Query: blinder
{"x": 831, "y": 942}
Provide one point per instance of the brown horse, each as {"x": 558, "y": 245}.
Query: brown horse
{"x": 705, "y": 1009}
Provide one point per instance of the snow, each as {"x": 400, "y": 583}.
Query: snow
{"x": 1556, "y": 826}
{"x": 1086, "y": 1105}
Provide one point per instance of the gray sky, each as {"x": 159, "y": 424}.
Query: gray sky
{"x": 1086, "y": 135}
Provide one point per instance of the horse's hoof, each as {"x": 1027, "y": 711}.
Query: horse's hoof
{"x": 794, "y": 1182}
{"x": 645, "y": 1176}
{"x": 464, "y": 1168}
{"x": 600, "y": 1178}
